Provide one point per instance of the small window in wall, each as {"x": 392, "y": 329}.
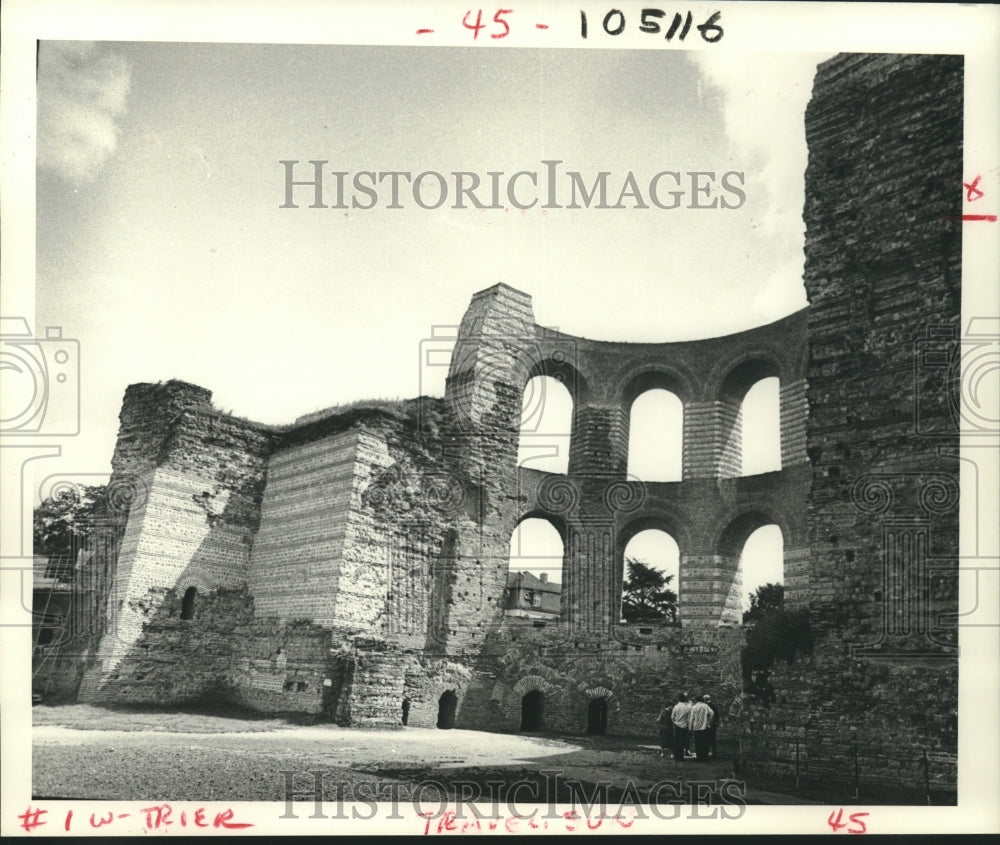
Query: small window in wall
{"x": 761, "y": 427}
{"x": 546, "y": 425}
{"x": 187, "y": 605}
{"x": 406, "y": 711}
{"x": 655, "y": 436}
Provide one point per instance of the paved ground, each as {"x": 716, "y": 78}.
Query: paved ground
{"x": 244, "y": 762}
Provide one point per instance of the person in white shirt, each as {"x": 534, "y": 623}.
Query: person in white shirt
{"x": 700, "y": 723}
{"x": 679, "y": 716}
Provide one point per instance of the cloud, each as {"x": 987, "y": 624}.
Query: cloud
{"x": 764, "y": 102}
{"x": 82, "y": 92}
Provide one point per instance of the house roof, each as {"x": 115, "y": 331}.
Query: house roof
{"x": 527, "y": 581}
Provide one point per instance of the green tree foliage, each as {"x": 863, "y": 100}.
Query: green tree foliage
{"x": 645, "y": 596}
{"x": 61, "y": 522}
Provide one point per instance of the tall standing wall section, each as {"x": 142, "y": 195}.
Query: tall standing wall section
{"x": 876, "y": 706}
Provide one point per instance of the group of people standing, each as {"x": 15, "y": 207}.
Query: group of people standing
{"x": 687, "y": 720}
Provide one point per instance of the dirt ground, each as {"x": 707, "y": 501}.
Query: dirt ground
{"x": 84, "y": 752}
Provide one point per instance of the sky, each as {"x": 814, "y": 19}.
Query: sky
{"x": 164, "y": 249}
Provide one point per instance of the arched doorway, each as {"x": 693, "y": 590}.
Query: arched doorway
{"x": 597, "y": 716}
{"x": 533, "y": 711}
{"x": 447, "y": 705}
{"x": 187, "y": 604}
{"x": 406, "y": 710}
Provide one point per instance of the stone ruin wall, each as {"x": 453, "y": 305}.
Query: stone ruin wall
{"x": 386, "y": 533}
{"x": 372, "y": 547}
{"x": 883, "y": 277}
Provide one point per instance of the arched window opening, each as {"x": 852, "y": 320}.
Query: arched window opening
{"x": 655, "y": 436}
{"x": 447, "y": 705}
{"x": 406, "y": 711}
{"x": 762, "y": 571}
{"x": 760, "y": 415}
{"x": 534, "y": 572}
{"x": 533, "y": 711}
{"x": 546, "y": 425}
{"x": 187, "y": 604}
{"x": 597, "y": 716}
{"x": 650, "y": 579}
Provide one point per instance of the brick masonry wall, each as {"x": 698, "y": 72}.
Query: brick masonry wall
{"x": 193, "y": 507}
{"x": 224, "y": 654}
{"x": 885, "y": 166}
{"x": 638, "y": 676}
{"x": 296, "y": 560}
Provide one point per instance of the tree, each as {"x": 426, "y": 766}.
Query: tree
{"x": 772, "y": 633}
{"x": 61, "y": 522}
{"x": 766, "y": 598}
{"x": 645, "y": 596}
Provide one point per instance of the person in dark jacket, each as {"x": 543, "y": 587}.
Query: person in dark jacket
{"x": 713, "y": 726}
{"x": 666, "y": 731}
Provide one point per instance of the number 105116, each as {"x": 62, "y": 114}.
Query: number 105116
{"x": 654, "y": 22}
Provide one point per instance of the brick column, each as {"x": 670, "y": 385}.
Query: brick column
{"x": 796, "y": 578}
{"x": 709, "y": 590}
{"x": 589, "y": 588}
{"x": 712, "y": 440}
{"x": 600, "y": 440}
{"x": 794, "y": 414}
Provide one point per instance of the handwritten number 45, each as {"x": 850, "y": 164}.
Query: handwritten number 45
{"x": 855, "y": 818}
{"x": 478, "y": 25}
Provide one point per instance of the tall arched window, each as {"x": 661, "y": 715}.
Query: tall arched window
{"x": 749, "y": 410}
{"x": 546, "y": 425}
{"x": 762, "y": 562}
{"x": 761, "y": 421}
{"x": 650, "y": 579}
{"x": 655, "y": 438}
{"x": 534, "y": 572}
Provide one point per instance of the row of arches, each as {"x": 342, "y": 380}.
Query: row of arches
{"x": 532, "y": 712}
{"x": 536, "y": 547}
{"x": 656, "y": 425}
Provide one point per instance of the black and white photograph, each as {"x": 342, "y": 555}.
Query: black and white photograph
{"x": 571, "y": 418}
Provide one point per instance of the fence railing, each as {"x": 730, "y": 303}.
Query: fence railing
{"x": 861, "y": 770}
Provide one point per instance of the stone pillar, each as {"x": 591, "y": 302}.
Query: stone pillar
{"x": 705, "y": 593}
{"x": 794, "y": 413}
{"x": 600, "y": 440}
{"x": 589, "y": 586}
{"x": 796, "y": 578}
{"x": 712, "y": 440}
